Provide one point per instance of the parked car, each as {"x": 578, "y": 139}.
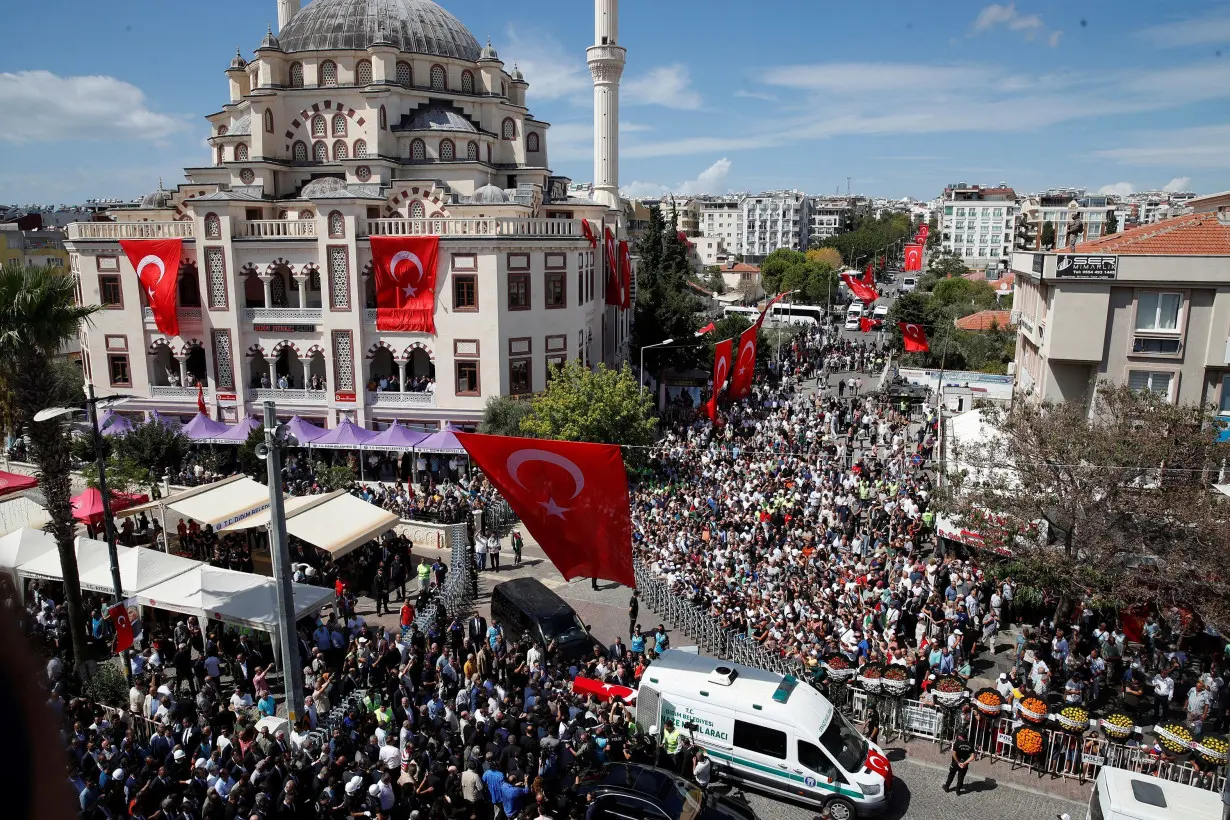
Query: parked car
{"x": 626, "y": 791}
{"x": 526, "y": 608}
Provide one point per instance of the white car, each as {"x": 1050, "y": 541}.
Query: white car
{"x": 880, "y": 312}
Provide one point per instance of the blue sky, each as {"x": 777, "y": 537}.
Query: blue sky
{"x": 101, "y": 99}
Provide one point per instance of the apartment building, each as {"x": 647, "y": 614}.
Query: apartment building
{"x": 830, "y": 216}
{"x": 722, "y": 218}
{"x": 772, "y": 220}
{"x": 1064, "y": 208}
{"x": 978, "y": 223}
{"x": 1149, "y": 307}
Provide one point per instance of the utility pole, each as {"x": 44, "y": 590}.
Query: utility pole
{"x": 91, "y": 405}
{"x": 288, "y": 635}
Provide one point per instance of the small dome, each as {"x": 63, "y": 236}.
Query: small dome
{"x": 489, "y": 195}
{"x": 160, "y": 198}
{"x": 517, "y": 76}
{"x": 322, "y": 185}
{"x": 437, "y": 118}
{"x": 270, "y": 40}
{"x": 414, "y": 26}
{"x": 238, "y": 61}
{"x": 488, "y": 53}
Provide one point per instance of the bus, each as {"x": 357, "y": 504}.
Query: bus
{"x": 784, "y": 313}
{"x": 749, "y": 313}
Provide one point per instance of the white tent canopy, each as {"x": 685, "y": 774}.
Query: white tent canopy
{"x": 91, "y": 555}
{"x": 23, "y": 510}
{"x": 24, "y": 545}
{"x": 220, "y": 504}
{"x": 140, "y": 568}
{"x": 290, "y": 504}
{"x": 232, "y": 597}
{"x": 340, "y": 523}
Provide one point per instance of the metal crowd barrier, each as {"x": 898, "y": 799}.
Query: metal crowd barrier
{"x": 455, "y": 596}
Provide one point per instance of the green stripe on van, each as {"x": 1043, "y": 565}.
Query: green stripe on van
{"x": 786, "y": 775}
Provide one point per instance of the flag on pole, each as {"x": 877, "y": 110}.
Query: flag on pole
{"x": 156, "y": 262}
{"x": 915, "y": 338}
{"x": 913, "y": 257}
{"x": 706, "y": 329}
{"x": 200, "y": 399}
{"x": 122, "y": 625}
{"x": 721, "y": 369}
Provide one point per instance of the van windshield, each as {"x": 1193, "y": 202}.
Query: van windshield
{"x": 844, "y": 744}
{"x": 562, "y": 628}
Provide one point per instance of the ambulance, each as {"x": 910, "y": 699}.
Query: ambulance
{"x": 771, "y": 732}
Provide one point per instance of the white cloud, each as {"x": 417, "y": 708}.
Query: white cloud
{"x": 756, "y": 95}
{"x": 861, "y": 78}
{"x": 49, "y": 108}
{"x": 712, "y": 180}
{"x": 1213, "y": 29}
{"x": 1117, "y": 189}
{"x": 553, "y": 71}
{"x": 643, "y": 190}
{"x": 996, "y": 15}
{"x": 669, "y": 86}
{"x": 1177, "y": 185}
{"x": 1183, "y": 148}
{"x": 571, "y": 141}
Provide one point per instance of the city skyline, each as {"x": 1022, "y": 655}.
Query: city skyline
{"x": 1032, "y": 94}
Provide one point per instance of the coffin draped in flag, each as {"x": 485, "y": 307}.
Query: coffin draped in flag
{"x": 571, "y": 496}
{"x": 602, "y": 691}
{"x": 721, "y": 369}
{"x": 744, "y": 363}
{"x": 406, "y": 282}
{"x": 625, "y": 275}
{"x": 915, "y": 338}
{"x": 156, "y": 262}
{"x": 913, "y": 257}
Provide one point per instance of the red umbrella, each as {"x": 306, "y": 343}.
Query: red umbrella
{"x": 14, "y": 483}
{"x": 87, "y": 507}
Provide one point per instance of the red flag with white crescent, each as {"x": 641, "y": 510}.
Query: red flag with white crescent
{"x": 406, "y": 282}
{"x": 156, "y": 262}
{"x": 589, "y": 233}
{"x": 613, "y": 297}
{"x": 862, "y": 291}
{"x": 744, "y": 363}
{"x": 122, "y": 625}
{"x": 915, "y": 338}
{"x": 869, "y": 276}
{"x": 602, "y": 691}
{"x": 913, "y": 257}
{"x": 706, "y": 329}
{"x": 625, "y": 275}
{"x": 721, "y": 369}
{"x": 923, "y": 232}
{"x": 571, "y": 496}
{"x": 200, "y": 400}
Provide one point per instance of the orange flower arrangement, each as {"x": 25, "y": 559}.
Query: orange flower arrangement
{"x": 1034, "y": 710}
{"x": 1029, "y": 741}
{"x": 988, "y": 701}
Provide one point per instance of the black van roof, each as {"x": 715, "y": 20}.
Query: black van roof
{"x": 532, "y": 596}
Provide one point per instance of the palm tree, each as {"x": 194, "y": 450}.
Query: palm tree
{"x": 38, "y": 315}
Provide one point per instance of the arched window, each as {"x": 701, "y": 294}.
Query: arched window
{"x": 300, "y": 151}
{"x": 337, "y": 225}
{"x": 221, "y": 154}
{"x": 222, "y": 129}
{"x": 339, "y": 125}
{"x": 384, "y": 121}
{"x": 306, "y": 215}
{"x": 339, "y": 150}
{"x": 416, "y": 210}
{"x": 404, "y": 77}
{"x": 472, "y": 151}
{"x": 509, "y": 131}
{"x": 320, "y": 127}
{"x": 328, "y": 73}
{"x": 448, "y": 152}
{"x": 531, "y": 141}
{"x": 213, "y": 227}
{"x": 296, "y": 75}
{"x": 437, "y": 78}
{"x": 320, "y": 152}
{"x": 363, "y": 72}
{"x": 467, "y": 82}
{"x": 268, "y": 121}
{"x": 360, "y": 149}
{"x": 241, "y": 152}
{"x": 418, "y": 151}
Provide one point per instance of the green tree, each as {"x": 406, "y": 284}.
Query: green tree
{"x": 716, "y": 283}
{"x": 1048, "y": 235}
{"x": 947, "y": 264}
{"x": 1112, "y": 224}
{"x": 603, "y": 406}
{"x": 123, "y": 476}
{"x": 38, "y": 316}
{"x": 963, "y": 296}
{"x": 502, "y": 416}
{"x": 249, "y": 462}
{"x": 153, "y": 446}
{"x": 336, "y": 477}
{"x": 665, "y": 307}
{"x": 870, "y": 238}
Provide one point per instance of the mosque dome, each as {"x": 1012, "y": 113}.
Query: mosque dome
{"x": 415, "y": 26}
{"x": 160, "y": 198}
{"x": 489, "y": 195}
{"x": 322, "y": 185}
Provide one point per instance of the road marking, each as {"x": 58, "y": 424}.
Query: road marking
{"x": 1017, "y": 787}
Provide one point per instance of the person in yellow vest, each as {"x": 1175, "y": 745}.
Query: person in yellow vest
{"x": 671, "y": 740}
{"x": 424, "y": 575}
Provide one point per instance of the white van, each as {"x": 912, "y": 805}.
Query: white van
{"x": 768, "y": 731}
{"x": 1119, "y": 794}
{"x": 853, "y": 313}
{"x": 909, "y": 283}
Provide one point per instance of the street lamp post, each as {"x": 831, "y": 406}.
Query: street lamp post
{"x": 662, "y": 343}
{"x": 288, "y": 636}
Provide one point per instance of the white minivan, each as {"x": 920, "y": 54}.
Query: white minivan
{"x": 1119, "y": 794}
{"x": 909, "y": 283}
{"x": 768, "y": 731}
{"x": 853, "y": 313}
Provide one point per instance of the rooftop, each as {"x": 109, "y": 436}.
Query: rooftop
{"x": 1202, "y": 234}
{"x": 985, "y": 320}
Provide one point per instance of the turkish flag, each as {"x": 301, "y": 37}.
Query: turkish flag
{"x": 613, "y": 297}
{"x": 706, "y": 329}
{"x": 913, "y": 257}
{"x": 406, "y": 282}
{"x": 625, "y": 275}
{"x": 572, "y": 497}
{"x": 123, "y": 626}
{"x": 156, "y": 262}
{"x": 915, "y": 338}
{"x": 862, "y": 291}
{"x": 200, "y": 400}
{"x": 923, "y": 232}
{"x": 745, "y": 363}
{"x": 721, "y": 363}
{"x": 602, "y": 691}
{"x": 589, "y": 233}
{"x": 864, "y": 324}
{"x": 869, "y": 277}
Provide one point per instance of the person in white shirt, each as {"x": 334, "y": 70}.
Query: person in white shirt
{"x": 240, "y": 701}
{"x": 1163, "y": 691}
{"x": 390, "y": 756}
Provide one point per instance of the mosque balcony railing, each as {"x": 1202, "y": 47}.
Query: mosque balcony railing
{"x": 275, "y": 229}
{"x": 189, "y": 317}
{"x": 283, "y": 316}
{"x": 130, "y": 230}
{"x": 173, "y": 392}
{"x": 389, "y": 398}
{"x": 261, "y": 394}
{"x": 478, "y": 227}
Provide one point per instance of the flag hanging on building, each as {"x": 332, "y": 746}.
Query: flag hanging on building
{"x": 200, "y": 400}
{"x": 913, "y": 257}
{"x": 589, "y": 233}
{"x": 406, "y": 282}
{"x": 721, "y": 369}
{"x": 745, "y": 363}
{"x": 915, "y": 338}
{"x": 156, "y": 262}
{"x": 613, "y": 297}
{"x": 625, "y": 275}
{"x": 571, "y": 496}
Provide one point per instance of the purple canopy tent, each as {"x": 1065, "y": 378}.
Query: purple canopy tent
{"x": 166, "y": 421}
{"x": 238, "y": 433}
{"x": 442, "y": 442}
{"x": 111, "y": 423}
{"x": 346, "y": 436}
{"x": 304, "y": 431}
{"x": 203, "y": 428}
{"x": 395, "y": 437}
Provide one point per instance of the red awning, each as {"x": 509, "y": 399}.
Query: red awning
{"x": 14, "y": 483}
{"x": 87, "y": 507}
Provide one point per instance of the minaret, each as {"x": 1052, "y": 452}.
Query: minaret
{"x": 606, "y": 63}
{"x": 286, "y": 10}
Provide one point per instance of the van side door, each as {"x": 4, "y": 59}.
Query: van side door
{"x": 818, "y": 769}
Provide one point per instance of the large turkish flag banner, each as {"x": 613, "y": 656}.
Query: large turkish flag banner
{"x": 625, "y": 275}
{"x": 571, "y": 496}
{"x": 156, "y": 262}
{"x": 745, "y": 363}
{"x": 862, "y": 291}
{"x": 406, "y": 282}
{"x": 123, "y": 627}
{"x": 915, "y": 338}
{"x": 721, "y": 369}
{"x": 913, "y": 257}
{"x": 613, "y": 297}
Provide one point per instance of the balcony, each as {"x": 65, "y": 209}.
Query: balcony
{"x": 275, "y": 229}
{"x": 283, "y": 316}
{"x": 129, "y": 230}
{"x": 492, "y": 226}
{"x": 164, "y": 391}
{"x": 377, "y": 398}
{"x": 316, "y": 397}
{"x": 188, "y": 317}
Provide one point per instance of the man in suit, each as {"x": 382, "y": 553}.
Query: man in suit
{"x": 477, "y": 629}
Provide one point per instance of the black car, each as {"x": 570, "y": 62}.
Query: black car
{"x": 525, "y": 608}
{"x": 625, "y": 791}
